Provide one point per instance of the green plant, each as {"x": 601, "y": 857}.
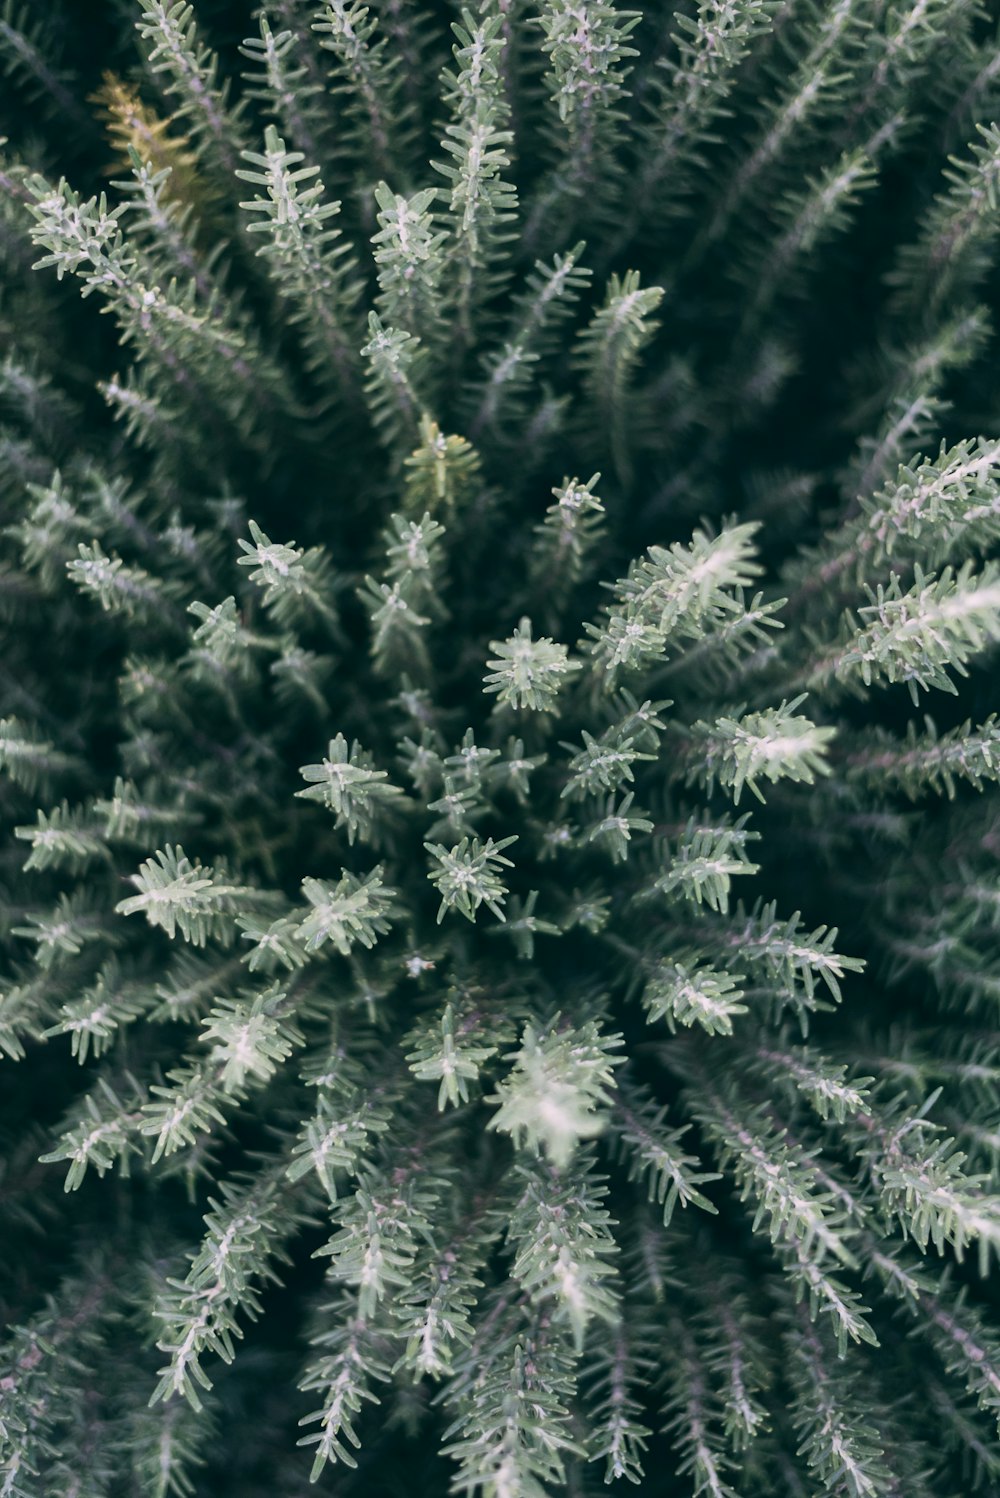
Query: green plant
{"x": 504, "y": 963}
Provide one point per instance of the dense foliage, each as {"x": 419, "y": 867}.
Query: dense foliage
{"x": 499, "y": 747}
